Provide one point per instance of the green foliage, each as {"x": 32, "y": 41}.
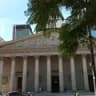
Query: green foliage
{"x": 68, "y": 42}
{"x": 45, "y": 13}
{"x": 70, "y": 37}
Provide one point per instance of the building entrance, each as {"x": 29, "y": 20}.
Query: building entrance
{"x": 55, "y": 83}
{"x": 19, "y": 83}
{"x": 91, "y": 87}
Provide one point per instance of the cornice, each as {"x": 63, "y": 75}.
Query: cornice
{"x": 28, "y": 50}
{"x": 38, "y": 51}
{"x": 20, "y": 40}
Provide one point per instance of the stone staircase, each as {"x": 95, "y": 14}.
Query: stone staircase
{"x": 62, "y": 94}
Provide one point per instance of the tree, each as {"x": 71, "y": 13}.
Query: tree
{"x": 46, "y": 12}
{"x": 43, "y": 12}
{"x": 77, "y": 26}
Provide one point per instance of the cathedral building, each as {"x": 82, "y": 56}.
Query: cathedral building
{"x": 32, "y": 62}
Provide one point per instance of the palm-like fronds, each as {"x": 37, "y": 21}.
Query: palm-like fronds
{"x": 69, "y": 35}
{"x": 43, "y": 12}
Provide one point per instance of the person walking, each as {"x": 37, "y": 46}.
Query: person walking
{"x": 76, "y": 94}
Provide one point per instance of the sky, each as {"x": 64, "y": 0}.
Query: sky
{"x": 12, "y": 12}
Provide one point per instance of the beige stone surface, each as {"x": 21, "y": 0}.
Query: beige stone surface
{"x": 38, "y": 45}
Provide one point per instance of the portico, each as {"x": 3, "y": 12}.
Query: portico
{"x": 27, "y": 65}
{"x": 47, "y": 74}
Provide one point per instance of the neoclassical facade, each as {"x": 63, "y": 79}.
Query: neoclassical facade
{"x": 34, "y": 63}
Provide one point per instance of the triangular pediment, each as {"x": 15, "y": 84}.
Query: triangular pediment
{"x": 34, "y": 41}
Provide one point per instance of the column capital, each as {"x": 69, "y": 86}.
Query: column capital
{"x": 84, "y": 55}
{"x": 72, "y": 57}
{"x": 72, "y": 60}
{"x": 25, "y": 57}
{"x": 1, "y": 58}
{"x": 13, "y": 57}
{"x": 48, "y": 56}
{"x": 60, "y": 56}
{"x": 36, "y": 56}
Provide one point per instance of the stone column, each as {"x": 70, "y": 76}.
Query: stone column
{"x": 24, "y": 74}
{"x": 84, "y": 63}
{"x": 48, "y": 74}
{"x": 12, "y": 74}
{"x": 1, "y": 73}
{"x": 61, "y": 83}
{"x": 36, "y": 73}
{"x": 73, "y": 77}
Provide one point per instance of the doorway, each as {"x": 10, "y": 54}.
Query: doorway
{"x": 19, "y": 83}
{"x": 55, "y": 83}
{"x": 91, "y": 86}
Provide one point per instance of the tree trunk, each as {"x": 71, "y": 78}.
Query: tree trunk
{"x": 91, "y": 48}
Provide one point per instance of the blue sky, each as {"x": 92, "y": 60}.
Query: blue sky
{"x": 11, "y": 12}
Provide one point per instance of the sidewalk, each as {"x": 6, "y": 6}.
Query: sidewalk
{"x": 63, "y": 94}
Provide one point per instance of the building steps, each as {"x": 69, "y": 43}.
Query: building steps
{"x": 62, "y": 94}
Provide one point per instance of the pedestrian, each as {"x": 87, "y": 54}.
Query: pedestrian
{"x": 76, "y": 93}
{"x": 29, "y": 94}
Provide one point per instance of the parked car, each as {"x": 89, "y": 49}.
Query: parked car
{"x": 14, "y": 94}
